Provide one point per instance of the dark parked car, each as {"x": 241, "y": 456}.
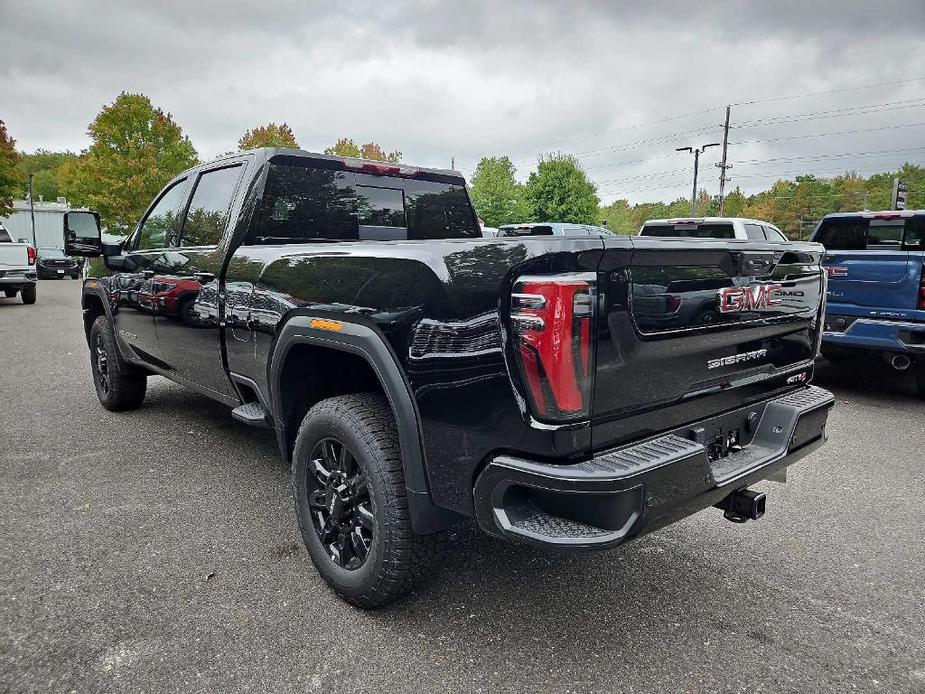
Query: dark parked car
{"x": 417, "y": 374}
{"x": 52, "y": 263}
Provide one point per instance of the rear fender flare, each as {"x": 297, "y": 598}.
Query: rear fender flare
{"x": 365, "y": 340}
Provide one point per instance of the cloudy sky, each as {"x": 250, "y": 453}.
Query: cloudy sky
{"x": 621, "y": 84}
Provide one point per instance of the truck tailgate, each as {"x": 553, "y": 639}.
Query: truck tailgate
{"x": 691, "y": 329}
{"x": 13, "y": 255}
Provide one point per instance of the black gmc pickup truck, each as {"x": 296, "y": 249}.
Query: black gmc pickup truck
{"x": 563, "y": 391}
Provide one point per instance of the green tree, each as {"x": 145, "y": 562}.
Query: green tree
{"x": 44, "y": 165}
{"x": 10, "y": 177}
{"x": 269, "y": 135}
{"x": 560, "y": 191}
{"x": 618, "y": 217}
{"x": 345, "y": 147}
{"x": 136, "y": 148}
{"x": 497, "y": 196}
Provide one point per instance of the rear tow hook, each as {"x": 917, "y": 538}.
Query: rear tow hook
{"x": 742, "y": 505}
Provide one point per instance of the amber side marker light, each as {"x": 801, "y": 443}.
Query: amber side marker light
{"x": 326, "y": 324}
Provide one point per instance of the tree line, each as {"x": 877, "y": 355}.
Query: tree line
{"x": 137, "y": 147}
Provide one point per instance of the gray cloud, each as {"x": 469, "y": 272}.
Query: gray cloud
{"x": 441, "y": 80}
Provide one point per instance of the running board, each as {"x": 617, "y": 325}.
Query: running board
{"x": 252, "y": 413}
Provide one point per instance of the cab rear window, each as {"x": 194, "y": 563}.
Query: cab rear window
{"x": 861, "y": 233}
{"x": 690, "y": 231}
{"x": 304, "y": 203}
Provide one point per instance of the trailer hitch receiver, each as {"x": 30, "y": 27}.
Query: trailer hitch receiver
{"x": 742, "y": 505}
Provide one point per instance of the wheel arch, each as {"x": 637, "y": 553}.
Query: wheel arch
{"x": 339, "y": 341}
{"x": 94, "y": 306}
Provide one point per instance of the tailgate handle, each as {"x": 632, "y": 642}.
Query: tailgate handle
{"x": 752, "y": 264}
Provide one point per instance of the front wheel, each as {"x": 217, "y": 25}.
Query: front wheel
{"x": 28, "y": 294}
{"x": 117, "y": 386}
{"x": 351, "y": 502}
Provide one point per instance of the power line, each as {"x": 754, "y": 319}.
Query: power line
{"x": 829, "y": 134}
{"x": 834, "y": 155}
{"x": 829, "y": 91}
{"x": 834, "y": 113}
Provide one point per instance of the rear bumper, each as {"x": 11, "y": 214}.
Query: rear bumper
{"x": 18, "y": 277}
{"x": 877, "y": 335}
{"x": 630, "y": 491}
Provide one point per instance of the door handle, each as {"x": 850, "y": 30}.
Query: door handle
{"x": 204, "y": 277}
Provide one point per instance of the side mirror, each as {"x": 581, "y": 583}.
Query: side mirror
{"x": 82, "y": 234}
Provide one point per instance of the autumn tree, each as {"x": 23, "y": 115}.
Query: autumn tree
{"x": 269, "y": 135}
{"x": 497, "y": 196}
{"x": 560, "y": 191}
{"x": 136, "y": 148}
{"x": 345, "y": 147}
{"x": 10, "y": 178}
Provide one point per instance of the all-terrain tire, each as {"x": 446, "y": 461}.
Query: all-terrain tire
{"x": 119, "y": 386}
{"x": 398, "y": 559}
{"x": 28, "y": 294}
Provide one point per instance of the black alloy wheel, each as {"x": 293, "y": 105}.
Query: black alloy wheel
{"x": 101, "y": 363}
{"x": 341, "y": 508}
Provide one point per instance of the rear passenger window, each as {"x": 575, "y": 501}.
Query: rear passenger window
{"x": 754, "y": 231}
{"x": 208, "y": 210}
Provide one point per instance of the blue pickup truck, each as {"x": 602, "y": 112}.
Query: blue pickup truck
{"x": 876, "y": 297}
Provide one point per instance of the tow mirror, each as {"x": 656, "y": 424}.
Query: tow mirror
{"x": 82, "y": 234}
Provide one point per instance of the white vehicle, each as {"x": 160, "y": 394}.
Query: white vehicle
{"x": 713, "y": 228}
{"x": 17, "y": 268}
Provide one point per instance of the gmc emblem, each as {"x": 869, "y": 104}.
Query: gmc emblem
{"x": 735, "y": 299}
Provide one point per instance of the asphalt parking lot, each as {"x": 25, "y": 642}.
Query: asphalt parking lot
{"x": 158, "y": 551}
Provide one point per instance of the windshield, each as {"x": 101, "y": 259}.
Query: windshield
{"x": 691, "y": 231}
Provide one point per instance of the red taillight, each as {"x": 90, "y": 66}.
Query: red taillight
{"x": 551, "y": 317}
{"x": 30, "y": 251}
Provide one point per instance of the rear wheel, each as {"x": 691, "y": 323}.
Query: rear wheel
{"x": 118, "y": 385}
{"x": 351, "y": 502}
{"x": 920, "y": 378}
{"x": 28, "y": 294}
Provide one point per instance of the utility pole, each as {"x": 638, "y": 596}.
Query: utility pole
{"x": 723, "y": 166}
{"x": 32, "y": 212}
{"x": 452, "y": 163}
{"x": 696, "y": 152}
